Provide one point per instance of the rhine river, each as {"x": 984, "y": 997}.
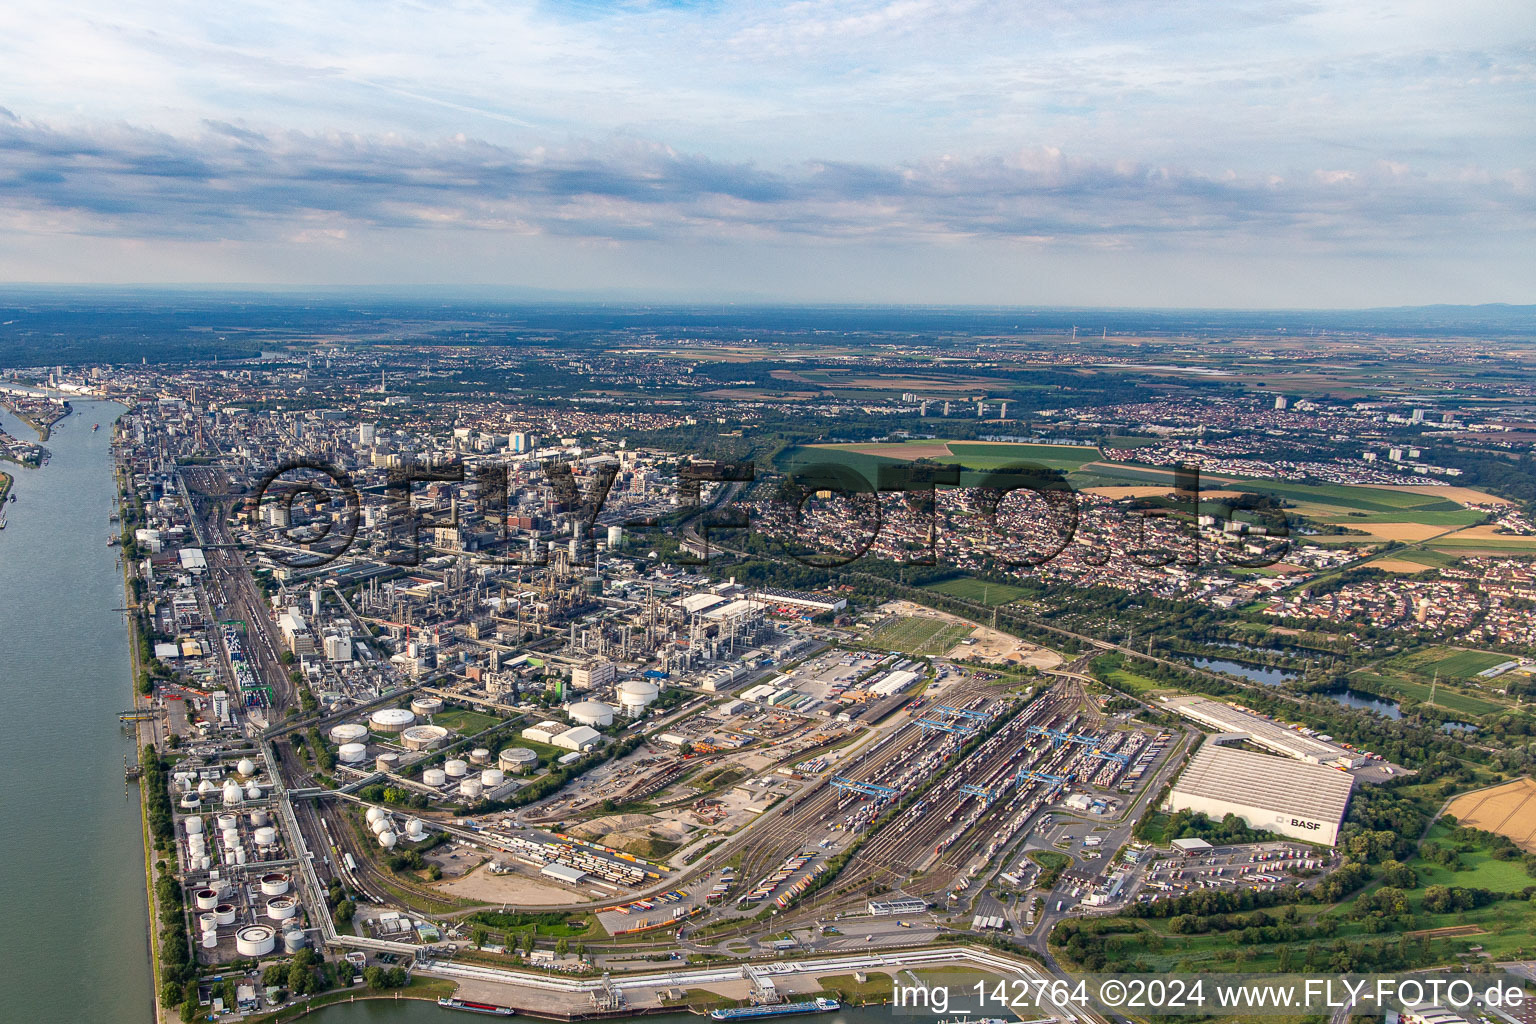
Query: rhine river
{"x": 75, "y": 942}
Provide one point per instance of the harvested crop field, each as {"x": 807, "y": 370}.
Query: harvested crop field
{"x": 1509, "y": 810}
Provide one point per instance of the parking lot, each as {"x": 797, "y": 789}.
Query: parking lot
{"x": 1257, "y": 866}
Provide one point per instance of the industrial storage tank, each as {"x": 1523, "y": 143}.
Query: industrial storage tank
{"x": 379, "y": 825}
{"x": 517, "y": 759}
{"x": 274, "y": 883}
{"x": 246, "y": 767}
{"x": 492, "y": 777}
{"x": 391, "y": 719}
{"x": 479, "y": 755}
{"x": 282, "y": 908}
{"x": 224, "y": 913}
{"x": 635, "y": 695}
{"x": 190, "y": 800}
{"x": 376, "y": 814}
{"x": 206, "y": 899}
{"x": 591, "y": 712}
{"x": 205, "y": 788}
{"x": 470, "y": 789}
{"x": 455, "y": 768}
{"x": 387, "y": 762}
{"x": 194, "y": 826}
{"x": 253, "y": 792}
{"x": 387, "y": 839}
{"x": 294, "y": 940}
{"x": 226, "y": 821}
{"x": 255, "y": 940}
{"x": 352, "y": 753}
{"x": 232, "y": 794}
{"x": 349, "y": 732}
{"x": 424, "y": 706}
{"x": 414, "y": 829}
{"x": 423, "y": 737}
{"x": 434, "y": 777}
{"x": 231, "y": 837}
{"x": 260, "y": 817}
{"x": 266, "y": 836}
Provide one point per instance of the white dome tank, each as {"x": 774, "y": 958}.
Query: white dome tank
{"x": 231, "y": 837}
{"x": 434, "y": 777}
{"x": 391, "y": 719}
{"x": 470, "y": 789}
{"x": 190, "y": 800}
{"x": 253, "y": 792}
{"x": 635, "y": 695}
{"x": 351, "y": 753}
{"x": 590, "y": 712}
{"x": 246, "y": 767}
{"x": 387, "y": 840}
{"x": 255, "y": 940}
{"x": 376, "y": 814}
{"x": 381, "y": 825}
{"x": 205, "y": 788}
{"x": 492, "y": 777}
{"x": 348, "y": 732}
{"x": 240, "y": 857}
{"x": 414, "y": 829}
{"x": 294, "y": 940}
{"x": 232, "y": 795}
{"x": 455, "y": 768}
{"x": 210, "y": 940}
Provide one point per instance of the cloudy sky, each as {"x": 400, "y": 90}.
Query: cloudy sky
{"x": 1188, "y": 152}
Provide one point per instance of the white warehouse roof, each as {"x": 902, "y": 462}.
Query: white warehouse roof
{"x": 563, "y": 873}
{"x": 1290, "y": 797}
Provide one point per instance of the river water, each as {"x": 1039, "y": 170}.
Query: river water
{"x": 75, "y": 942}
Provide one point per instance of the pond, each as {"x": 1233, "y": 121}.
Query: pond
{"x": 1366, "y": 702}
{"x": 1258, "y": 673}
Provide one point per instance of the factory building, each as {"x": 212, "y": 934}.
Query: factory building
{"x": 1288, "y": 797}
{"x": 1236, "y": 723}
{"x": 801, "y": 599}
{"x": 582, "y": 737}
{"x": 592, "y": 674}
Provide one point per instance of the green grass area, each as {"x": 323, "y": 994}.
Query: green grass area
{"x": 916, "y": 634}
{"x": 1110, "y": 667}
{"x": 1445, "y": 697}
{"x": 1427, "y": 517}
{"x": 1515, "y": 545}
{"x": 1478, "y": 869}
{"x": 1449, "y": 662}
{"x": 982, "y": 591}
{"x": 993, "y": 456}
{"x": 848, "y": 989}
{"x": 1429, "y": 558}
{"x": 463, "y": 721}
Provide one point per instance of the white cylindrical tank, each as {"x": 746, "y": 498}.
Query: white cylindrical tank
{"x": 226, "y": 820}
{"x": 387, "y": 762}
{"x": 281, "y": 909}
{"x": 492, "y": 777}
{"x": 517, "y": 759}
{"x": 455, "y": 768}
{"x": 266, "y": 836}
{"x": 351, "y": 753}
{"x": 423, "y": 737}
{"x": 391, "y": 719}
{"x": 387, "y": 839}
{"x": 479, "y": 755}
{"x": 274, "y": 883}
{"x": 260, "y": 817}
{"x": 294, "y": 940}
{"x": 190, "y": 800}
{"x": 348, "y": 732}
{"x": 224, "y": 913}
{"x": 414, "y": 829}
{"x": 210, "y": 940}
{"x": 240, "y": 857}
{"x": 590, "y": 712}
{"x": 207, "y": 921}
{"x": 206, "y": 899}
{"x": 434, "y": 777}
{"x": 470, "y": 789}
{"x": 231, "y": 837}
{"x": 246, "y": 767}
{"x": 255, "y": 940}
{"x": 424, "y": 706}
{"x": 204, "y": 863}
{"x": 615, "y": 536}
{"x": 635, "y": 695}
{"x": 194, "y": 826}
{"x": 232, "y": 794}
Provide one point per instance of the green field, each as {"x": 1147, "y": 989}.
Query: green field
{"x": 1425, "y": 516}
{"x": 1430, "y": 558}
{"x": 917, "y": 635}
{"x": 1478, "y": 869}
{"x": 1449, "y": 662}
{"x": 464, "y": 722}
{"x": 1445, "y": 697}
{"x": 981, "y": 591}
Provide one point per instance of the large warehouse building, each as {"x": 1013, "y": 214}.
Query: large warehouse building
{"x": 1291, "y": 798}
{"x": 1263, "y": 732}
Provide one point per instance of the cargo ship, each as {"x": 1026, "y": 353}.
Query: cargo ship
{"x": 819, "y": 1005}
{"x": 489, "y": 1009}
